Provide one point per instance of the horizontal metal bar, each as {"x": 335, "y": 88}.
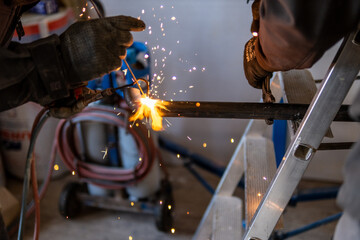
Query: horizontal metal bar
{"x": 320, "y": 80}
{"x": 243, "y": 110}
{"x": 111, "y": 203}
{"x": 335, "y": 146}
{"x": 314, "y": 194}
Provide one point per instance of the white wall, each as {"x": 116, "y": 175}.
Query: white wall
{"x": 211, "y": 34}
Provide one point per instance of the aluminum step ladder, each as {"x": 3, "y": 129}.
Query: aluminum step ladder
{"x": 306, "y": 140}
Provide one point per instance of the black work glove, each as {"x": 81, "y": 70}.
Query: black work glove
{"x": 93, "y": 48}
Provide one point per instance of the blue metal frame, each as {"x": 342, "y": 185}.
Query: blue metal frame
{"x": 314, "y": 194}
{"x": 196, "y": 159}
{"x": 279, "y": 138}
{"x": 285, "y": 235}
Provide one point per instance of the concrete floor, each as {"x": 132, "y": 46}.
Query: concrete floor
{"x": 190, "y": 197}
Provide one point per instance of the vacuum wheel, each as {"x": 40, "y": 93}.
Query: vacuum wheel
{"x": 164, "y": 208}
{"x": 69, "y": 204}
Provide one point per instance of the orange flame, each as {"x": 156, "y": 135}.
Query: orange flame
{"x": 149, "y": 108}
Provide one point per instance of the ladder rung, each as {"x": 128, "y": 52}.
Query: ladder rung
{"x": 260, "y": 168}
{"x": 299, "y": 87}
{"x": 227, "y": 223}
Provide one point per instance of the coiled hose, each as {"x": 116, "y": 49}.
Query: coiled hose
{"x": 108, "y": 177}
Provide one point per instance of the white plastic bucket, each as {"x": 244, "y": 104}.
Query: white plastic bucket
{"x": 130, "y": 158}
{"x": 94, "y": 140}
{"x": 15, "y": 130}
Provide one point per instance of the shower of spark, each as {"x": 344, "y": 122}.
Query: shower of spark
{"x": 149, "y": 108}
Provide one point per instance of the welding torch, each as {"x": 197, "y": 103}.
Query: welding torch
{"x": 83, "y": 96}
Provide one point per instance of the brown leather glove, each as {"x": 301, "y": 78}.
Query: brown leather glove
{"x": 93, "y": 48}
{"x": 254, "y": 73}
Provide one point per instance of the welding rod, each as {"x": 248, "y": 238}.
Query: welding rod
{"x": 243, "y": 110}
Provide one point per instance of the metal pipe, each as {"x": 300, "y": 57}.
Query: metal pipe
{"x": 242, "y": 110}
{"x": 199, "y": 178}
{"x": 314, "y": 194}
{"x": 281, "y": 236}
{"x": 335, "y": 146}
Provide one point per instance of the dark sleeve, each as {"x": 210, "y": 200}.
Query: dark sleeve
{"x": 294, "y": 34}
{"x": 32, "y": 72}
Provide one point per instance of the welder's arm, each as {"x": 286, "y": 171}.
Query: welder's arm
{"x": 31, "y": 72}
{"x": 294, "y": 34}
{"x": 46, "y": 70}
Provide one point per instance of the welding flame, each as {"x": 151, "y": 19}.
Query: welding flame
{"x": 149, "y": 108}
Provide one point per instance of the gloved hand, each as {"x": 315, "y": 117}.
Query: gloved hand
{"x": 93, "y": 48}
{"x": 254, "y": 73}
